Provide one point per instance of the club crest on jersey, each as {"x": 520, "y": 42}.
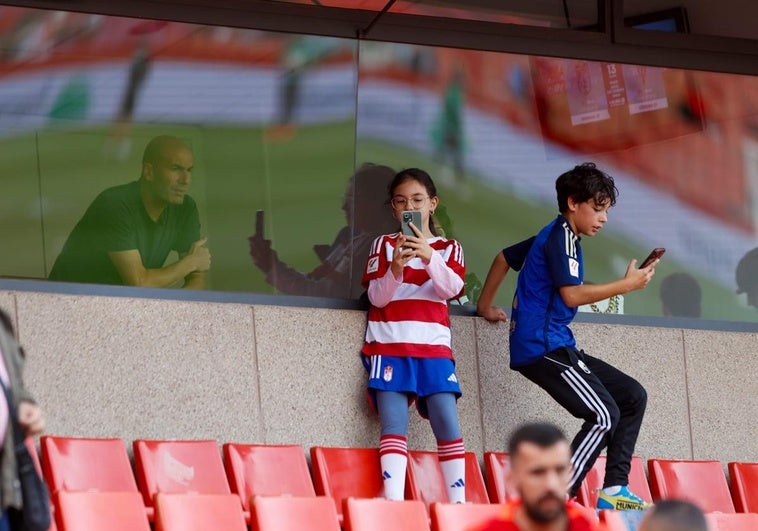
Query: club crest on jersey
{"x": 574, "y": 268}
{"x": 373, "y": 265}
{"x": 387, "y": 376}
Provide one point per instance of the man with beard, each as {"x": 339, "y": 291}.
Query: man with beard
{"x": 540, "y": 459}
{"x": 129, "y": 230}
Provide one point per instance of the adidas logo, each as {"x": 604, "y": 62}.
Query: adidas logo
{"x": 459, "y": 483}
{"x": 386, "y": 475}
{"x": 452, "y": 378}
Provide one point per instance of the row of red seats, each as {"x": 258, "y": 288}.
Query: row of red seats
{"x": 249, "y": 470}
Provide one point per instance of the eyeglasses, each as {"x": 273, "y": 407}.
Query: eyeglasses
{"x": 405, "y": 203}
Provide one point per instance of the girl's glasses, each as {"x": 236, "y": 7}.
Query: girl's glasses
{"x": 408, "y": 203}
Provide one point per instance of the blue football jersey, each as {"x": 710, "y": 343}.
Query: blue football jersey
{"x": 539, "y": 317}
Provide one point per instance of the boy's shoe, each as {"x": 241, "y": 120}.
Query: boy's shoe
{"x": 624, "y": 500}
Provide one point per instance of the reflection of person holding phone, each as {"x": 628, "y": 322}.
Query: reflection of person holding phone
{"x": 408, "y": 352}
{"x": 341, "y": 268}
{"x": 746, "y": 275}
{"x": 542, "y": 347}
{"x": 129, "y": 230}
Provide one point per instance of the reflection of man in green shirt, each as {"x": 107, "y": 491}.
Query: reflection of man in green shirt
{"x": 128, "y": 231}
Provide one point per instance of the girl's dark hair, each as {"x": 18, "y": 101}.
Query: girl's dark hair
{"x": 585, "y": 182}
{"x": 421, "y": 177}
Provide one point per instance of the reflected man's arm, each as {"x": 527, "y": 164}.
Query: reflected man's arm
{"x": 190, "y": 267}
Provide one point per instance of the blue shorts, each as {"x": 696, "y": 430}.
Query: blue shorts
{"x": 416, "y": 377}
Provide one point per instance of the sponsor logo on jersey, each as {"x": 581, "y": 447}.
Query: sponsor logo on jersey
{"x": 574, "y": 268}
{"x": 387, "y": 376}
{"x": 452, "y": 378}
{"x": 373, "y": 265}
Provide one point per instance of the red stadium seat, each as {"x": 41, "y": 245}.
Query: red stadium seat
{"x": 458, "y": 516}
{"x": 179, "y": 467}
{"x": 342, "y": 473}
{"x": 81, "y": 464}
{"x": 700, "y": 482}
{"x": 744, "y": 481}
{"x": 496, "y": 471}
{"x": 198, "y": 512}
{"x": 379, "y": 514}
{"x": 732, "y": 522}
{"x": 425, "y": 481}
{"x": 96, "y": 511}
{"x": 593, "y": 481}
{"x": 267, "y": 470}
{"x": 287, "y": 513}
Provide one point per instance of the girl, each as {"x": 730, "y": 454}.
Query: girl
{"x": 407, "y": 350}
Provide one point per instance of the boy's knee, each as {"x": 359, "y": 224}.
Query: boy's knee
{"x": 639, "y": 396}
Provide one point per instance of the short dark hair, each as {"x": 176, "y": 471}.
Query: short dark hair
{"x": 678, "y": 515}
{"x": 681, "y": 295}
{"x": 746, "y": 273}
{"x": 584, "y": 182}
{"x": 542, "y": 434}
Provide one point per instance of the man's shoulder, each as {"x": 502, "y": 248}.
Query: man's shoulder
{"x": 119, "y": 193}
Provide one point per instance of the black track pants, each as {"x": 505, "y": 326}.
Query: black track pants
{"x": 611, "y": 404}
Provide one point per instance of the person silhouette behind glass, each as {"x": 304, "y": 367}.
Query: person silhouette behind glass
{"x": 341, "y": 269}
{"x": 128, "y": 231}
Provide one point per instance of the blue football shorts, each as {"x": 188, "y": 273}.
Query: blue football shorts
{"x": 417, "y": 377}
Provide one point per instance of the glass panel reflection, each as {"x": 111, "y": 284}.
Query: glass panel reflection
{"x": 271, "y": 121}
{"x": 495, "y": 131}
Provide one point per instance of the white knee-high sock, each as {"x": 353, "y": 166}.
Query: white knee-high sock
{"x": 393, "y": 457}
{"x": 453, "y": 464}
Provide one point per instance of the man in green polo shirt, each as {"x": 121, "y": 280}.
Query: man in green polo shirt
{"x": 128, "y": 231}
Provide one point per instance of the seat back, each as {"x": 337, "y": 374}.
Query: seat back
{"x": 744, "y": 481}
{"x": 700, "y": 482}
{"x": 288, "y": 513}
{"x": 593, "y": 481}
{"x": 426, "y": 483}
{"x": 96, "y": 511}
{"x": 457, "y": 516}
{"x": 379, "y": 514}
{"x": 179, "y": 467}
{"x": 497, "y": 467}
{"x": 267, "y": 470}
{"x": 732, "y": 522}
{"x": 342, "y": 473}
{"x": 83, "y": 464}
{"x": 198, "y": 512}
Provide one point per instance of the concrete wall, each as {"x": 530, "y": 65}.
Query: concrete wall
{"x": 106, "y": 366}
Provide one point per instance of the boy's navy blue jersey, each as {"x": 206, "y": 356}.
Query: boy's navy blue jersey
{"x": 515, "y": 255}
{"x": 539, "y": 317}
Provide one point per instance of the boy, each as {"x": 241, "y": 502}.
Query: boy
{"x": 542, "y": 347}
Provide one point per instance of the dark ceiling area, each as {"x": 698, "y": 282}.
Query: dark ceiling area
{"x": 722, "y": 35}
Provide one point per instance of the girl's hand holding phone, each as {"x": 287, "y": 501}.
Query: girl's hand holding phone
{"x": 401, "y": 256}
{"x": 418, "y": 244}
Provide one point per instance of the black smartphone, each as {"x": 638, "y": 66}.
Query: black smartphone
{"x": 259, "y": 222}
{"x": 410, "y": 216}
{"x": 654, "y": 255}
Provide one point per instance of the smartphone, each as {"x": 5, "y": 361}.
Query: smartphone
{"x": 654, "y": 255}
{"x": 259, "y": 222}
{"x": 410, "y": 216}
